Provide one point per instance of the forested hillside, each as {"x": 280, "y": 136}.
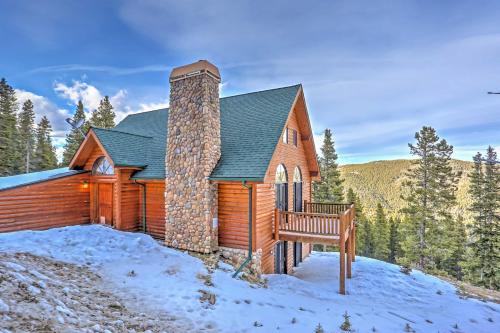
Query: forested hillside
{"x": 380, "y": 182}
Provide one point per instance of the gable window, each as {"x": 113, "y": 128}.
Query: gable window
{"x": 102, "y": 167}
{"x": 294, "y": 133}
{"x": 285, "y": 135}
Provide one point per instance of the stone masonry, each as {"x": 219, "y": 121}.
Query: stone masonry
{"x": 193, "y": 150}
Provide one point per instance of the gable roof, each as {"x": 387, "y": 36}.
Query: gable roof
{"x": 251, "y": 127}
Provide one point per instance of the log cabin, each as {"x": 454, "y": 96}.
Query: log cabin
{"x": 231, "y": 174}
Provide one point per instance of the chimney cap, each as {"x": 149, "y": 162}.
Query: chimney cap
{"x": 193, "y": 69}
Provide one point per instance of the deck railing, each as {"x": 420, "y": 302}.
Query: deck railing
{"x": 310, "y": 223}
{"x": 326, "y": 219}
{"x": 325, "y": 208}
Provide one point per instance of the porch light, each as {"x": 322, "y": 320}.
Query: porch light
{"x": 85, "y": 184}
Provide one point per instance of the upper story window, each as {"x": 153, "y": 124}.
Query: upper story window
{"x": 102, "y": 167}
{"x": 294, "y": 133}
{"x": 285, "y": 135}
{"x": 297, "y": 175}
{"x": 281, "y": 176}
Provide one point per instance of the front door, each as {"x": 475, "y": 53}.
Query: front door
{"x": 280, "y": 257}
{"x": 105, "y": 204}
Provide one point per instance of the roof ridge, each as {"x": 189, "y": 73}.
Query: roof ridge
{"x": 248, "y": 93}
{"x": 265, "y": 90}
{"x": 121, "y": 132}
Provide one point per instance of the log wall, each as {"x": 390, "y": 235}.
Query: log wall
{"x": 233, "y": 215}
{"x": 155, "y": 208}
{"x": 49, "y": 204}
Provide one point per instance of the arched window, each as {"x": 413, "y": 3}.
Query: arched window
{"x": 281, "y": 176}
{"x": 297, "y": 175}
{"x": 102, "y": 167}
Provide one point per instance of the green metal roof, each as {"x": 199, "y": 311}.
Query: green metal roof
{"x": 251, "y": 126}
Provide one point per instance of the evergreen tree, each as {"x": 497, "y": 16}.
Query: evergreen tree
{"x": 381, "y": 234}
{"x": 430, "y": 193}
{"x": 364, "y": 234}
{"x": 45, "y": 156}
{"x": 74, "y": 138}
{"x": 484, "y": 263}
{"x": 454, "y": 246}
{"x": 104, "y": 116}
{"x": 27, "y": 135}
{"x": 10, "y": 160}
{"x": 394, "y": 239}
{"x": 329, "y": 189}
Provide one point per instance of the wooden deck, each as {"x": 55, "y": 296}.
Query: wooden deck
{"x": 322, "y": 223}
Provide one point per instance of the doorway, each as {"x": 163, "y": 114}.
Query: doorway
{"x": 280, "y": 257}
{"x": 105, "y": 203}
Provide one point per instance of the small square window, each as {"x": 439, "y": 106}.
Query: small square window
{"x": 285, "y": 135}
{"x": 294, "y": 138}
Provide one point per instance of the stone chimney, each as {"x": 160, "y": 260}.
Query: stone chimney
{"x": 193, "y": 150}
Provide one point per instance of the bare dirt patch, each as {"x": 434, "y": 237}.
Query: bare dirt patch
{"x": 38, "y": 294}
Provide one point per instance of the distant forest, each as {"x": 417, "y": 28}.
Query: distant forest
{"x": 432, "y": 212}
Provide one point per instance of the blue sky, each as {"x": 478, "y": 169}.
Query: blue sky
{"x": 374, "y": 72}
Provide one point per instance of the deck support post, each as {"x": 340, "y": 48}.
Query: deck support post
{"x": 342, "y": 256}
{"x": 353, "y": 232}
{"x": 354, "y": 241}
{"x": 349, "y": 253}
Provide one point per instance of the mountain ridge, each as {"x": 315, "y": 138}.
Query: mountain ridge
{"x": 381, "y": 181}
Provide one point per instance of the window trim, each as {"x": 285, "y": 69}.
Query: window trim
{"x": 295, "y": 137}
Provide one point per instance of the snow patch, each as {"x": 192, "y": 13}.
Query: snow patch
{"x": 378, "y": 295}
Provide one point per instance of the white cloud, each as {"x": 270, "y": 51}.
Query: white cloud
{"x": 91, "y": 97}
{"x": 78, "y": 90}
{"x": 105, "y": 69}
{"x": 153, "y": 106}
{"x": 44, "y": 107}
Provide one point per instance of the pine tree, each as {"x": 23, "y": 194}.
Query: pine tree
{"x": 364, "y": 234}
{"x": 45, "y": 156}
{"x": 329, "y": 189}
{"x": 483, "y": 265}
{"x": 491, "y": 269}
{"x": 104, "y": 116}
{"x": 74, "y": 138}
{"x": 454, "y": 246}
{"x": 430, "y": 193}
{"x": 27, "y": 135}
{"x": 381, "y": 234}
{"x": 10, "y": 160}
{"x": 394, "y": 240}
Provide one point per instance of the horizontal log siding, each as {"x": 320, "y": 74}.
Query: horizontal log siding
{"x": 264, "y": 225}
{"x": 155, "y": 209}
{"x": 130, "y": 207}
{"x": 54, "y": 203}
{"x": 233, "y": 216}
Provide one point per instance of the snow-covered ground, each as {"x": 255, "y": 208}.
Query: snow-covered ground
{"x": 163, "y": 280}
